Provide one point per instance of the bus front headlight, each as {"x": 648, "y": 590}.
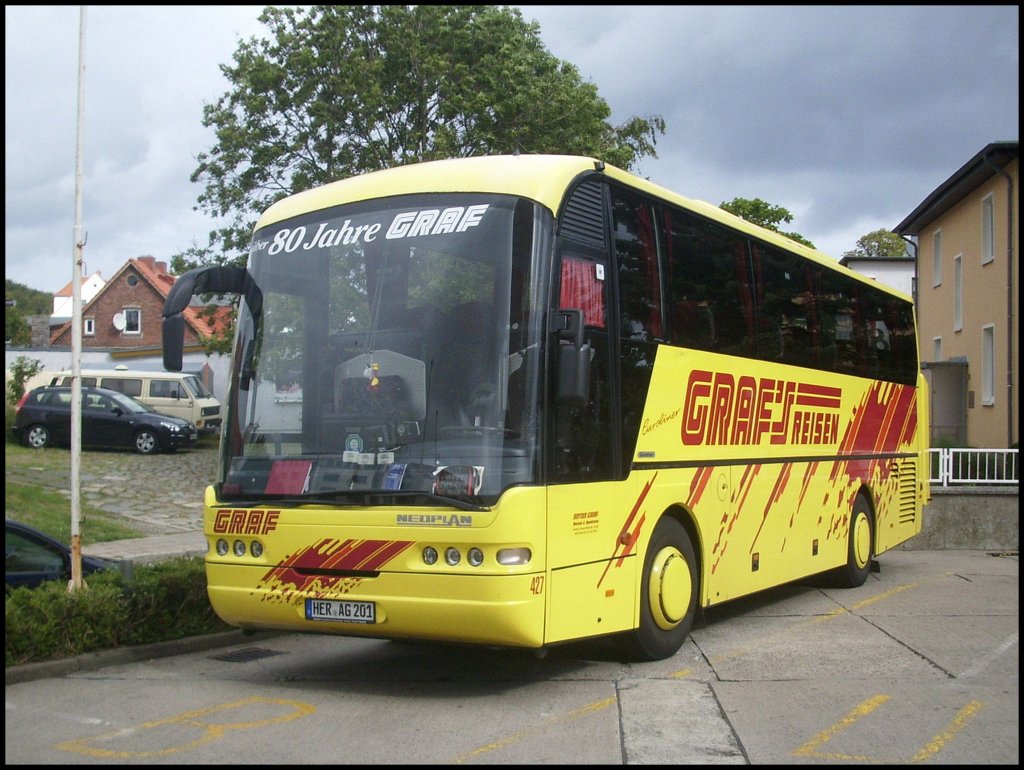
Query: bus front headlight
{"x": 512, "y": 557}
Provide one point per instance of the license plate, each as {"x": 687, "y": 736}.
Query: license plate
{"x": 341, "y": 611}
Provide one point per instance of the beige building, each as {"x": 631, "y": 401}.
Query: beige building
{"x": 967, "y": 291}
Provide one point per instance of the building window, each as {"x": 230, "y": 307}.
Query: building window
{"x": 132, "y": 321}
{"x": 937, "y": 258}
{"x": 988, "y": 365}
{"x": 89, "y": 327}
{"x": 936, "y": 348}
{"x": 958, "y": 292}
{"x": 988, "y": 229}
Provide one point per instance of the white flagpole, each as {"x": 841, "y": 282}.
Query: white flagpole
{"x": 76, "y": 330}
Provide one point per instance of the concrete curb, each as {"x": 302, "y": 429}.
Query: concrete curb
{"x": 91, "y": 661}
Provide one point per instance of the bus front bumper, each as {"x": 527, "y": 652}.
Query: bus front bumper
{"x": 502, "y": 610}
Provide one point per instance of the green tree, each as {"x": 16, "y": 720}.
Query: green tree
{"x": 764, "y": 214}
{"x": 17, "y": 331}
{"x": 22, "y": 302}
{"x": 879, "y": 243}
{"x": 334, "y": 91}
{"x": 22, "y": 370}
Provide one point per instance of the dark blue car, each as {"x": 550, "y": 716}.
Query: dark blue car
{"x": 109, "y": 420}
{"x": 34, "y": 557}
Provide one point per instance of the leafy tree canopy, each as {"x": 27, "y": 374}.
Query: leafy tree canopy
{"x": 878, "y": 243}
{"x": 338, "y": 90}
{"x": 23, "y": 302}
{"x": 764, "y": 214}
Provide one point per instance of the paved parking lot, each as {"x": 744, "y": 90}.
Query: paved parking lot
{"x": 157, "y": 494}
{"x": 919, "y": 665}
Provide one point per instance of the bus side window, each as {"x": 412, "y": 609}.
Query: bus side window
{"x": 787, "y": 312}
{"x": 636, "y": 255}
{"x": 582, "y": 449}
{"x": 707, "y": 281}
{"x": 693, "y": 324}
{"x": 582, "y": 286}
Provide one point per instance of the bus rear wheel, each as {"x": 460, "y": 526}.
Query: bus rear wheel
{"x": 668, "y": 594}
{"x": 859, "y": 549}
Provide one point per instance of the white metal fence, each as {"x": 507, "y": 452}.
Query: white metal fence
{"x": 954, "y": 467}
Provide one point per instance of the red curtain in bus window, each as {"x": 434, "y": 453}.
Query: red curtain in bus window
{"x": 649, "y": 256}
{"x": 581, "y": 288}
{"x": 745, "y": 289}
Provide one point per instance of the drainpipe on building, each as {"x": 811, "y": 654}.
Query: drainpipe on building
{"x": 1009, "y": 299}
{"x": 912, "y": 241}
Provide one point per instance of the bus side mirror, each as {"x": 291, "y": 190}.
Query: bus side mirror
{"x": 202, "y": 280}
{"x": 572, "y": 385}
{"x": 174, "y": 341}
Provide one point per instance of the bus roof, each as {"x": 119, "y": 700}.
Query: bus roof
{"x": 542, "y": 178}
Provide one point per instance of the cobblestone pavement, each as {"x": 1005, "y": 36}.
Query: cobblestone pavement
{"x": 157, "y": 494}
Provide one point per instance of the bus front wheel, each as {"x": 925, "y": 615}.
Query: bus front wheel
{"x": 859, "y": 548}
{"x": 668, "y": 594}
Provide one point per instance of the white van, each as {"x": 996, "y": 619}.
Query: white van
{"x": 175, "y": 393}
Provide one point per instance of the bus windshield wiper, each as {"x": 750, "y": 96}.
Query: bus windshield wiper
{"x": 362, "y": 497}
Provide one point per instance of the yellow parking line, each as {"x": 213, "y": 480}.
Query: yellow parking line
{"x": 864, "y": 602}
{"x": 939, "y": 741}
{"x": 934, "y": 746}
{"x": 192, "y": 719}
{"x": 809, "y": 749}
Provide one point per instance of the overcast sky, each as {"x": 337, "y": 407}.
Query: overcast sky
{"x": 847, "y": 116}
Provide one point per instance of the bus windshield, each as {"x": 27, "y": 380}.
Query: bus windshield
{"x": 394, "y": 356}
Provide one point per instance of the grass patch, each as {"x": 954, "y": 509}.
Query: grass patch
{"x": 49, "y": 510}
{"x": 152, "y": 603}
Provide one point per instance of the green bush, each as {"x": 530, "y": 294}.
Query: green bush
{"x": 161, "y": 602}
{"x": 22, "y": 370}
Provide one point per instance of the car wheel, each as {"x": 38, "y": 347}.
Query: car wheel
{"x": 146, "y": 442}
{"x": 37, "y": 436}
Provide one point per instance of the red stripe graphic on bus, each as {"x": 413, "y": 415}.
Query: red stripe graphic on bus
{"x": 809, "y": 473}
{"x": 780, "y": 486}
{"x": 627, "y": 539}
{"x": 331, "y": 554}
{"x": 698, "y": 485}
{"x": 884, "y": 422}
{"x": 743, "y": 488}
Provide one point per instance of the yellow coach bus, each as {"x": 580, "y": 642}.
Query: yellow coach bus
{"x": 525, "y": 400}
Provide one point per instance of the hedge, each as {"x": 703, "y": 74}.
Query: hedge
{"x": 160, "y": 602}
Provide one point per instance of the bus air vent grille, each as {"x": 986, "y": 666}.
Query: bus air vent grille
{"x": 908, "y": 492}
{"x": 583, "y": 215}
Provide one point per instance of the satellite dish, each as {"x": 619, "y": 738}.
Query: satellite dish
{"x": 119, "y": 321}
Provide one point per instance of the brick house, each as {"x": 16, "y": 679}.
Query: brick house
{"x": 127, "y": 312}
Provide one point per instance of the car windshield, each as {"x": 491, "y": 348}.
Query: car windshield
{"x": 394, "y": 352}
{"x": 197, "y": 388}
{"x": 129, "y": 404}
